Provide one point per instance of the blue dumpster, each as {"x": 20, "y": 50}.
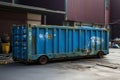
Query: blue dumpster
{"x": 43, "y": 43}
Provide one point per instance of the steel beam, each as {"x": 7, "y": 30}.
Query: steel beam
{"x": 31, "y": 8}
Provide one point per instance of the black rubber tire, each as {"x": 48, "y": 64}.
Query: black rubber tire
{"x": 43, "y": 60}
{"x": 100, "y": 54}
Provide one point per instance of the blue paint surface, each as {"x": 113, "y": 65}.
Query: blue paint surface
{"x": 30, "y": 42}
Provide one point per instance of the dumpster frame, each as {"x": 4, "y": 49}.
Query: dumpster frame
{"x": 32, "y": 43}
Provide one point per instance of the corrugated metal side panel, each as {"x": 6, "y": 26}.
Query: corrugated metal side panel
{"x": 19, "y": 38}
{"x": 56, "y": 41}
{"x": 91, "y": 11}
{"x": 59, "y": 41}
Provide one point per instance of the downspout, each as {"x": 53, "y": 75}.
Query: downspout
{"x": 107, "y": 12}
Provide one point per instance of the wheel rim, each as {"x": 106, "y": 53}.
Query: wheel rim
{"x": 43, "y": 60}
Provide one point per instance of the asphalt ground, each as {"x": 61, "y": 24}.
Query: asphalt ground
{"x": 107, "y": 68}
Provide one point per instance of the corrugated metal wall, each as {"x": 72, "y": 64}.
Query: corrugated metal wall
{"x": 91, "y": 11}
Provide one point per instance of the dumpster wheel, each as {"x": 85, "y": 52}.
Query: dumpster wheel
{"x": 100, "y": 54}
{"x": 43, "y": 60}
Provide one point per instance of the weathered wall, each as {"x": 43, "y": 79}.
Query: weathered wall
{"x": 8, "y": 18}
{"x": 115, "y": 18}
{"x": 91, "y": 11}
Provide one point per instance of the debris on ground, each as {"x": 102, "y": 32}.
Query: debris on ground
{"x": 107, "y": 65}
{"x": 115, "y": 43}
{"x": 5, "y": 58}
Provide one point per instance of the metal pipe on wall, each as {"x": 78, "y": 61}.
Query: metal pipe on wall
{"x": 13, "y": 1}
{"x": 45, "y": 19}
{"x": 107, "y": 12}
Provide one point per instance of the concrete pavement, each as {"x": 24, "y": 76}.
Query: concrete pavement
{"x": 82, "y": 69}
